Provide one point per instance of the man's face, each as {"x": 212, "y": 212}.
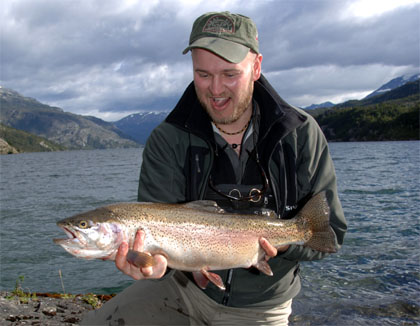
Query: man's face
{"x": 223, "y": 88}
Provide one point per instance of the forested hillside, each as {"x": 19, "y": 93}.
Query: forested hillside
{"x": 392, "y": 116}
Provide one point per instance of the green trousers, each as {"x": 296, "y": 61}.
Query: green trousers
{"x": 175, "y": 300}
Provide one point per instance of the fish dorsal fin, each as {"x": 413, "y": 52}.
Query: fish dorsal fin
{"x": 206, "y": 206}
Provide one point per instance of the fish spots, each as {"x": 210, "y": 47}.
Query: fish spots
{"x": 193, "y": 239}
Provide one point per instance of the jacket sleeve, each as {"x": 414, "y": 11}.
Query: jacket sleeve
{"x": 316, "y": 173}
{"x": 161, "y": 176}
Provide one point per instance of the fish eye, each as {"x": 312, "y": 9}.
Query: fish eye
{"x": 83, "y": 224}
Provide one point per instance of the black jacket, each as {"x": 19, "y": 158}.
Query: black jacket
{"x": 179, "y": 156}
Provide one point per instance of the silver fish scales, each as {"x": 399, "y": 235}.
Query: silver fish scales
{"x": 198, "y": 236}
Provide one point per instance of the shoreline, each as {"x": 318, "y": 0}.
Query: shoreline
{"x": 48, "y": 309}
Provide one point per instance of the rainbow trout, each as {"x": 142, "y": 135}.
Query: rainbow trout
{"x": 198, "y": 236}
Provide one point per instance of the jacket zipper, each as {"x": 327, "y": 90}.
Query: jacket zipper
{"x": 206, "y": 177}
{"x": 197, "y": 161}
{"x": 228, "y": 283}
{"x": 273, "y": 186}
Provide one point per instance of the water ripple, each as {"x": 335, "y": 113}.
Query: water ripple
{"x": 373, "y": 280}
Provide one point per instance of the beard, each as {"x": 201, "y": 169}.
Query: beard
{"x": 243, "y": 104}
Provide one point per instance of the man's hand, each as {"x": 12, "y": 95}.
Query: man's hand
{"x": 271, "y": 251}
{"x": 153, "y": 272}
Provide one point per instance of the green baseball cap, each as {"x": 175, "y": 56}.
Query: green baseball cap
{"x": 227, "y": 35}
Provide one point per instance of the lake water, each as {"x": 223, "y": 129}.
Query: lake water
{"x": 373, "y": 280}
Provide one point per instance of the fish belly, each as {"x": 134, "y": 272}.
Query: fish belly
{"x": 209, "y": 248}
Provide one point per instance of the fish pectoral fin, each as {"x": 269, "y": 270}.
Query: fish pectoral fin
{"x": 140, "y": 259}
{"x": 204, "y": 276}
{"x": 263, "y": 267}
{"x": 201, "y": 280}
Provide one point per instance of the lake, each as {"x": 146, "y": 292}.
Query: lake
{"x": 373, "y": 280}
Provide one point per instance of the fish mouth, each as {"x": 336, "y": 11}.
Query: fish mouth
{"x": 71, "y": 239}
{"x": 78, "y": 244}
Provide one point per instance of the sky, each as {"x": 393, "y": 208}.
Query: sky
{"x": 111, "y": 58}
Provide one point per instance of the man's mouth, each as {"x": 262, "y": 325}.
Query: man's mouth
{"x": 219, "y": 103}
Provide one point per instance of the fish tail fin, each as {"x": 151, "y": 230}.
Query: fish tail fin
{"x": 317, "y": 214}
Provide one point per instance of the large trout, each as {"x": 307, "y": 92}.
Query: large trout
{"x": 198, "y": 236}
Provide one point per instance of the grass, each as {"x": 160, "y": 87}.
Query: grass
{"x": 19, "y": 293}
{"x": 25, "y": 296}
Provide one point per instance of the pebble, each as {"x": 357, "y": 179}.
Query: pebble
{"x": 50, "y": 311}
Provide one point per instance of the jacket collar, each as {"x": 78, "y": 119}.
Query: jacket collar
{"x": 189, "y": 115}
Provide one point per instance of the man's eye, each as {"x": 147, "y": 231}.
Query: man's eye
{"x": 231, "y": 74}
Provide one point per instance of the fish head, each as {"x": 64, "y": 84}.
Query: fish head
{"x": 91, "y": 237}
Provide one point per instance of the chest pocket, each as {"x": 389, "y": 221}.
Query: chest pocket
{"x": 194, "y": 171}
{"x": 252, "y": 195}
{"x": 285, "y": 158}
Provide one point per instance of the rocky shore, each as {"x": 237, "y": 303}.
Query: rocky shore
{"x": 46, "y": 309}
{"x": 5, "y": 148}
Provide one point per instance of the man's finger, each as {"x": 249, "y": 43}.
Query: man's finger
{"x": 268, "y": 248}
{"x": 147, "y": 271}
{"x": 138, "y": 244}
{"x": 120, "y": 258}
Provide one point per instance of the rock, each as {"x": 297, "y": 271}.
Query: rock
{"x": 49, "y": 311}
{"x": 72, "y": 320}
{"x": 5, "y": 148}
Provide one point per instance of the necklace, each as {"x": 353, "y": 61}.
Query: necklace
{"x": 236, "y": 132}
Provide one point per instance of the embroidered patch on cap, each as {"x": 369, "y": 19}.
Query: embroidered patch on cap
{"x": 219, "y": 24}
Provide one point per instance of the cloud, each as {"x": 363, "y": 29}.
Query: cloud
{"x": 318, "y": 84}
{"x": 318, "y": 36}
{"x": 111, "y": 58}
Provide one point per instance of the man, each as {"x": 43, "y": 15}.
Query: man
{"x": 231, "y": 138}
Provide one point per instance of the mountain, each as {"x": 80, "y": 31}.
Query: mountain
{"x": 392, "y": 84}
{"x": 139, "y": 125}
{"x": 17, "y": 141}
{"x": 393, "y": 115}
{"x": 374, "y": 97}
{"x": 317, "y": 106}
{"x": 406, "y": 90}
{"x": 67, "y": 129}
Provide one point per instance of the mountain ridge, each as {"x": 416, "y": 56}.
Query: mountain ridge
{"x": 87, "y": 132}
{"x": 327, "y": 104}
{"x": 393, "y": 115}
{"x": 388, "y": 86}
{"x": 67, "y": 129}
{"x": 393, "y": 83}
{"x": 139, "y": 125}
{"x": 13, "y": 141}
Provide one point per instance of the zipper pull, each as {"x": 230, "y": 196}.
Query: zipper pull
{"x": 197, "y": 160}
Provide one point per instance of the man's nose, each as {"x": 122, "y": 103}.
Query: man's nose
{"x": 216, "y": 86}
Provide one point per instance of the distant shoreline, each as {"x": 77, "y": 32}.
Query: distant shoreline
{"x": 329, "y": 141}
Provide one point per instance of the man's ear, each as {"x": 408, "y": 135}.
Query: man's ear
{"x": 257, "y": 66}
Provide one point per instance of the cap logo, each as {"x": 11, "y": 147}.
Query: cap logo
{"x": 219, "y": 24}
